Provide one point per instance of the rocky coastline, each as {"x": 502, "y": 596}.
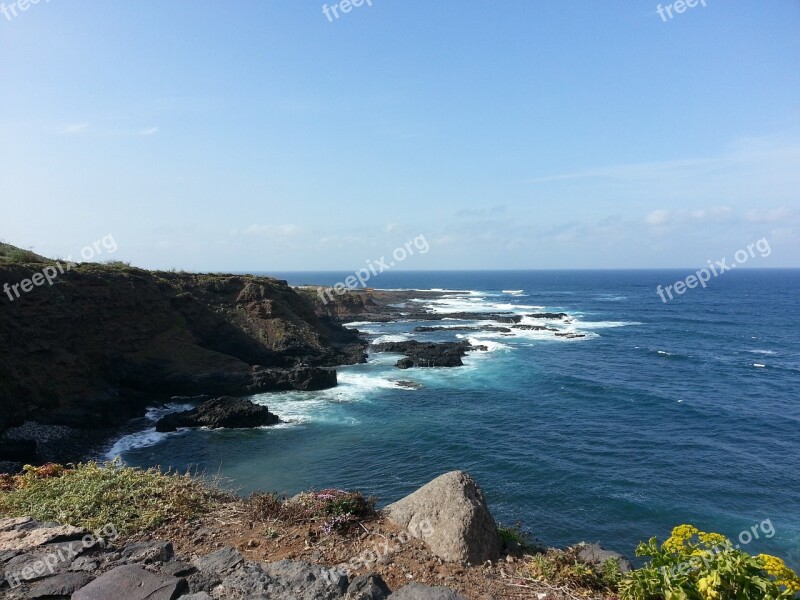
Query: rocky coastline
{"x": 85, "y": 355}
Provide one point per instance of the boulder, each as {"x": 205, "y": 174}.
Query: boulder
{"x": 297, "y": 579}
{"x": 450, "y": 515}
{"x": 548, "y": 315}
{"x": 423, "y": 354}
{"x": 131, "y": 583}
{"x": 283, "y": 580}
{"x": 418, "y": 591}
{"x": 61, "y": 585}
{"x": 367, "y": 587}
{"x": 149, "y": 552}
{"x": 221, "y": 562}
{"x": 302, "y": 377}
{"x": 25, "y": 533}
{"x": 227, "y": 412}
{"x": 176, "y": 568}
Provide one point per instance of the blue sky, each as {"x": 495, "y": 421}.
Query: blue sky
{"x": 259, "y": 135}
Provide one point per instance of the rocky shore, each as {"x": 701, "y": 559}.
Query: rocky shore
{"x": 83, "y": 356}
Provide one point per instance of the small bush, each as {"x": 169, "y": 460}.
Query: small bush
{"x": 93, "y": 495}
{"x": 514, "y": 535}
{"x": 332, "y": 510}
{"x": 695, "y": 565}
{"x": 564, "y": 568}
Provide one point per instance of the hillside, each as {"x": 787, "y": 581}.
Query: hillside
{"x": 102, "y": 341}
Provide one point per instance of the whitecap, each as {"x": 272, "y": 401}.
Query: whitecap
{"x": 606, "y": 324}
{"x": 491, "y": 345}
{"x": 134, "y": 441}
{"x": 397, "y": 337}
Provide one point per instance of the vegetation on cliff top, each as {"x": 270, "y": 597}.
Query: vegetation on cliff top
{"x": 93, "y": 495}
{"x": 690, "y": 565}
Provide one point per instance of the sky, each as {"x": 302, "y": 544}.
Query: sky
{"x": 523, "y": 134}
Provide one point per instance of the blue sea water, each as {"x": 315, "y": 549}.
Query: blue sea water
{"x": 665, "y": 413}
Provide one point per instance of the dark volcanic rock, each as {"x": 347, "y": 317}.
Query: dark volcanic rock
{"x": 233, "y": 413}
{"x": 547, "y": 315}
{"x": 59, "y": 586}
{"x": 421, "y": 354}
{"x": 149, "y": 552}
{"x": 368, "y": 587}
{"x": 97, "y": 347}
{"x": 425, "y": 329}
{"x": 283, "y": 580}
{"x": 221, "y": 562}
{"x": 465, "y": 316}
{"x": 534, "y": 328}
{"x": 418, "y": 591}
{"x": 132, "y": 583}
{"x": 23, "y": 451}
{"x": 302, "y": 378}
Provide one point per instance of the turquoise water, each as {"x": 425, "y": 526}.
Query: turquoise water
{"x": 663, "y": 414}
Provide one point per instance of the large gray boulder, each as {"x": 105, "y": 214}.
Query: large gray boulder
{"x": 450, "y": 515}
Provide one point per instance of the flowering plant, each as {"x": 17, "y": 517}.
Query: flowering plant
{"x": 695, "y": 565}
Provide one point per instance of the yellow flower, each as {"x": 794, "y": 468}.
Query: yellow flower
{"x": 707, "y": 587}
{"x": 680, "y": 536}
{"x": 783, "y": 575}
{"x": 713, "y": 539}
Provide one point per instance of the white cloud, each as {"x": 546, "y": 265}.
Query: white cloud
{"x": 74, "y": 129}
{"x": 657, "y": 217}
{"x": 268, "y": 230}
{"x": 768, "y": 216}
{"x": 750, "y": 170}
{"x": 149, "y": 131}
{"x": 662, "y": 217}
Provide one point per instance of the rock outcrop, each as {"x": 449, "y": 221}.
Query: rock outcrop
{"x": 232, "y": 413}
{"x": 422, "y": 354}
{"x": 103, "y": 341}
{"x": 451, "y": 516}
{"x": 86, "y": 566}
{"x": 597, "y": 555}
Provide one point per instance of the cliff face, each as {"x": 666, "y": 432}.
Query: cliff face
{"x": 102, "y": 341}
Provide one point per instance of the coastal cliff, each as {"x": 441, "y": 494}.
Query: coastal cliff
{"x": 101, "y": 342}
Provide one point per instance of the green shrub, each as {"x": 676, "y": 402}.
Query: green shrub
{"x": 695, "y": 565}
{"x": 93, "y": 495}
{"x": 564, "y": 568}
{"x": 514, "y": 535}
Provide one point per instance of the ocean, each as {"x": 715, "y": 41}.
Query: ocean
{"x": 664, "y": 413}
